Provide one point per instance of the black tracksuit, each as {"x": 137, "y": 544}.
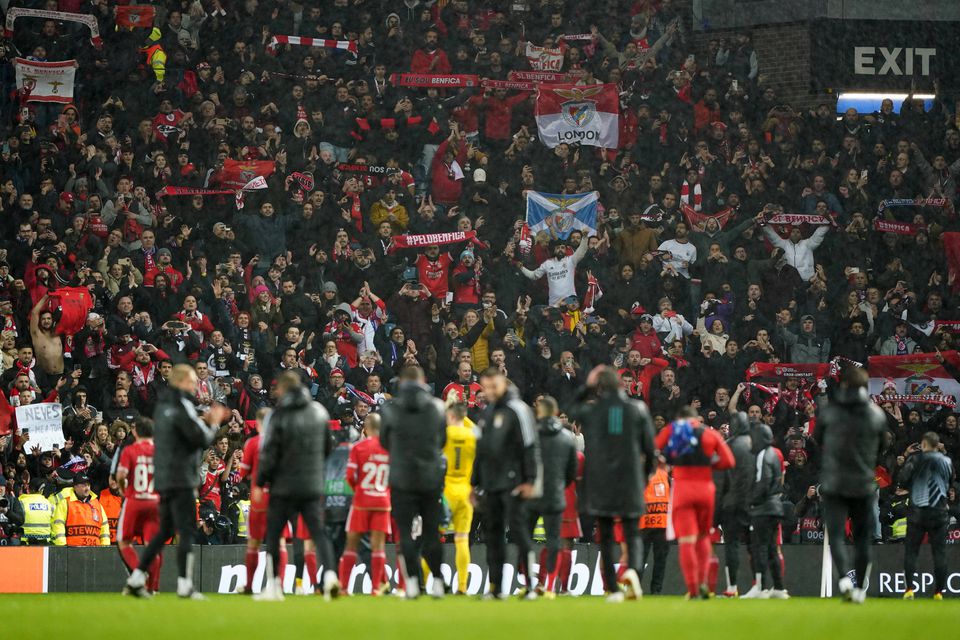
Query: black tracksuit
{"x": 734, "y": 494}
{"x": 766, "y": 507}
{"x": 508, "y": 455}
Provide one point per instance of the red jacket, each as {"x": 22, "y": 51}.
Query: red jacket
{"x": 420, "y": 63}
{"x": 446, "y": 189}
{"x": 704, "y": 115}
{"x": 648, "y": 345}
{"x": 497, "y": 113}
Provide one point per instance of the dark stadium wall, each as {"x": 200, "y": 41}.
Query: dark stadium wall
{"x": 220, "y": 570}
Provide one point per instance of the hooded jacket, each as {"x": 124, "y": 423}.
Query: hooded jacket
{"x": 767, "y": 486}
{"x": 736, "y": 482}
{"x": 850, "y": 433}
{"x": 414, "y": 432}
{"x": 508, "y": 451}
{"x": 294, "y": 446}
{"x": 559, "y": 454}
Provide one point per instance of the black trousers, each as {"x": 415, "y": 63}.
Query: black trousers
{"x": 656, "y": 540}
{"x": 551, "y": 526}
{"x": 735, "y": 525}
{"x": 177, "y": 516}
{"x": 407, "y": 505}
{"x": 631, "y": 535}
{"x": 932, "y": 521}
{"x": 284, "y": 509}
{"x": 860, "y": 511}
{"x": 763, "y": 549}
{"x": 500, "y": 511}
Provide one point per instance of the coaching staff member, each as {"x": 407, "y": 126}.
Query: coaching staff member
{"x": 294, "y": 446}
{"x": 507, "y": 472}
{"x": 414, "y": 430}
{"x": 618, "y": 440}
{"x": 928, "y": 474}
{"x": 850, "y": 431}
{"x": 180, "y": 435}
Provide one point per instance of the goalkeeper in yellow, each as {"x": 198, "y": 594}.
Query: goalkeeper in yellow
{"x": 460, "y": 452}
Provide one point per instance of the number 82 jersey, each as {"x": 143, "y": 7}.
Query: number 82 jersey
{"x": 137, "y": 459}
{"x": 368, "y": 474}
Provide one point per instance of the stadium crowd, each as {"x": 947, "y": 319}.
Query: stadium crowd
{"x": 685, "y": 284}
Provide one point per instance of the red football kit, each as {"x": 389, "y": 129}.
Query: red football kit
{"x": 368, "y": 474}
{"x": 140, "y": 514}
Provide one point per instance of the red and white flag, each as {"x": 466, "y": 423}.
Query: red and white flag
{"x": 300, "y": 41}
{"x": 136, "y": 16}
{"x": 918, "y": 374}
{"x": 594, "y": 293}
{"x": 588, "y": 114}
{"x": 254, "y": 185}
{"x": 543, "y": 59}
{"x": 46, "y": 81}
{"x": 236, "y": 174}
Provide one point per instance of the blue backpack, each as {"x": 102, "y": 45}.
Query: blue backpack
{"x": 683, "y": 440}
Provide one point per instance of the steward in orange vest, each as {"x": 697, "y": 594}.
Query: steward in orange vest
{"x": 79, "y": 520}
{"x": 111, "y": 501}
{"x": 653, "y": 526}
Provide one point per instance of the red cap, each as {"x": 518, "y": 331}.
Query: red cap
{"x": 337, "y": 372}
{"x": 67, "y": 197}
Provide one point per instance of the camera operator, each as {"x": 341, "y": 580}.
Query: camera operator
{"x": 11, "y": 518}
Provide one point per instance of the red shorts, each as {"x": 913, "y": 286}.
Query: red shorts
{"x": 138, "y": 519}
{"x": 364, "y": 520}
{"x": 257, "y": 527}
{"x": 692, "y": 508}
{"x": 570, "y": 529}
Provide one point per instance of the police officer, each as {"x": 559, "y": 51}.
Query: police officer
{"x": 295, "y": 446}
{"x": 618, "y": 438}
{"x": 850, "y": 432}
{"x": 37, "y": 514}
{"x": 928, "y": 473}
{"x": 508, "y": 473}
{"x": 180, "y": 436}
{"x": 414, "y": 432}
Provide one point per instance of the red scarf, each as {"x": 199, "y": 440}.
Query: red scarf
{"x": 697, "y": 203}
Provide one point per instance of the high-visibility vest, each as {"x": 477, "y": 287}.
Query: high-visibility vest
{"x": 243, "y": 518}
{"x": 80, "y": 523}
{"x": 111, "y": 506}
{"x": 157, "y": 61}
{"x": 539, "y": 531}
{"x": 898, "y": 530}
{"x": 37, "y": 514}
{"x": 657, "y": 498}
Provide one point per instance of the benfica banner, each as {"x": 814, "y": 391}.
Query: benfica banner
{"x": 918, "y": 374}
{"x": 85, "y": 19}
{"x": 426, "y": 239}
{"x": 801, "y": 218}
{"x": 136, "y": 16}
{"x": 899, "y": 228}
{"x": 170, "y": 190}
{"x": 699, "y": 220}
{"x": 560, "y": 214}
{"x": 542, "y": 59}
{"x": 436, "y": 80}
{"x": 46, "y": 81}
{"x": 539, "y": 76}
{"x": 897, "y": 398}
{"x": 781, "y": 372}
{"x": 588, "y": 114}
{"x": 236, "y": 174}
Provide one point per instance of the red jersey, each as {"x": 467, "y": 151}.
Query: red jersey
{"x": 434, "y": 274}
{"x": 714, "y": 451}
{"x": 210, "y": 490}
{"x": 368, "y": 471}
{"x": 251, "y": 459}
{"x": 137, "y": 460}
{"x": 570, "y": 492}
{"x": 465, "y": 392}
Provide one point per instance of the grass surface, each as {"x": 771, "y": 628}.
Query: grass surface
{"x": 108, "y": 617}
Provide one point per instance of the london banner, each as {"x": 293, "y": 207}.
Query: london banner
{"x": 587, "y": 114}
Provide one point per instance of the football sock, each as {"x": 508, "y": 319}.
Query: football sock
{"x": 462, "y": 546}
{"x": 620, "y": 570}
{"x": 282, "y": 569}
{"x": 347, "y": 560}
{"x": 542, "y": 572}
{"x": 713, "y": 570}
{"x": 310, "y": 562}
{"x": 129, "y": 556}
{"x": 704, "y": 554}
{"x": 690, "y": 566}
{"x": 564, "y": 565}
{"x": 378, "y": 560}
{"x": 250, "y": 559}
{"x": 153, "y": 580}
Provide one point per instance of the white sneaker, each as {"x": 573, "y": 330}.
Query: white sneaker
{"x": 779, "y": 594}
{"x": 631, "y": 580}
{"x": 137, "y": 579}
{"x": 616, "y": 597}
{"x": 331, "y": 585}
{"x": 530, "y": 596}
{"x": 858, "y": 596}
{"x": 845, "y": 587}
{"x": 755, "y": 592}
{"x": 437, "y": 589}
{"x": 272, "y": 592}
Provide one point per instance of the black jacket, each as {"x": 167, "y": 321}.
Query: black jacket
{"x": 735, "y": 483}
{"x": 559, "y": 454}
{"x": 414, "y": 431}
{"x": 508, "y": 452}
{"x": 294, "y": 446}
{"x": 619, "y": 454}
{"x": 180, "y": 437}
{"x": 767, "y": 486}
{"x": 850, "y": 432}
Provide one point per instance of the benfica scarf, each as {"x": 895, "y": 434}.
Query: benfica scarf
{"x": 694, "y": 199}
{"x": 190, "y": 191}
{"x": 953, "y": 326}
{"x": 525, "y": 242}
{"x": 899, "y": 228}
{"x": 367, "y": 169}
{"x": 594, "y": 293}
{"x": 84, "y": 19}
{"x": 256, "y": 184}
{"x": 911, "y": 202}
{"x": 938, "y": 399}
{"x": 368, "y": 124}
{"x": 436, "y": 80}
{"x": 539, "y": 76}
{"x": 699, "y": 220}
{"x": 305, "y": 180}
{"x": 343, "y": 45}
{"x": 426, "y": 239}
{"x": 509, "y": 84}
{"x": 801, "y": 218}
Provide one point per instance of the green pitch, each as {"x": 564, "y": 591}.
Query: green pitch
{"x": 107, "y": 616}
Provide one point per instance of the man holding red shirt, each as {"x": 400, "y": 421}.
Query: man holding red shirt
{"x": 695, "y": 451}
{"x": 368, "y": 471}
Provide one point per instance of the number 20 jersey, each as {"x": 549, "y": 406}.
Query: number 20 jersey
{"x": 368, "y": 470}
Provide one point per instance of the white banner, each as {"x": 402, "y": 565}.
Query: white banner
{"x": 44, "y": 422}
{"x": 46, "y": 81}
{"x": 588, "y": 114}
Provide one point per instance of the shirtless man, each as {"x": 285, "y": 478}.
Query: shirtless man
{"x": 46, "y": 342}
